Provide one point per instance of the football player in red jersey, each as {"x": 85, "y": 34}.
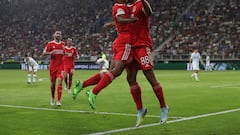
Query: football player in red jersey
{"x": 121, "y": 50}
{"x": 55, "y": 49}
{"x": 141, "y": 52}
{"x": 70, "y": 53}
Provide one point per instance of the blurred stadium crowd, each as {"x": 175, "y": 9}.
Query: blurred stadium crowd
{"x": 176, "y": 27}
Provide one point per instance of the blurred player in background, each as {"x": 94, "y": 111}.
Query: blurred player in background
{"x": 194, "y": 60}
{"x": 70, "y": 53}
{"x": 32, "y": 67}
{"x": 104, "y": 63}
{"x": 208, "y": 63}
{"x": 142, "y": 59}
{"x": 55, "y": 49}
{"x": 121, "y": 50}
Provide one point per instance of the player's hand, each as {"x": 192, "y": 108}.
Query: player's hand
{"x": 52, "y": 52}
{"x": 109, "y": 25}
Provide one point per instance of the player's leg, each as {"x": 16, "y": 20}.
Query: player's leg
{"x": 136, "y": 92}
{"x": 195, "y": 71}
{"x": 144, "y": 58}
{"x": 29, "y": 75}
{"x": 70, "y": 76}
{"x": 53, "y": 87}
{"x": 60, "y": 76}
{"x": 93, "y": 80}
{"x": 109, "y": 76}
{"x": 121, "y": 55}
{"x": 66, "y": 77}
{"x": 34, "y": 73}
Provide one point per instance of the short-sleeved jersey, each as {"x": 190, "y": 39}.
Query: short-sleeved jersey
{"x": 195, "y": 57}
{"x": 69, "y": 55}
{"x": 31, "y": 62}
{"x": 56, "y": 59}
{"x": 140, "y": 29}
{"x": 122, "y": 29}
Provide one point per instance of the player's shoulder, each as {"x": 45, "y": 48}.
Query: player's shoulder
{"x": 117, "y": 6}
{"x": 54, "y": 42}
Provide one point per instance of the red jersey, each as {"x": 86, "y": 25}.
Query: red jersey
{"x": 122, "y": 29}
{"x": 69, "y": 55}
{"x": 56, "y": 60}
{"x": 140, "y": 29}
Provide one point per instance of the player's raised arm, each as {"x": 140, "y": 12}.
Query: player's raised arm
{"x": 147, "y": 7}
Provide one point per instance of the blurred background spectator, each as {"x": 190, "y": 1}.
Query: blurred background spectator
{"x": 176, "y": 27}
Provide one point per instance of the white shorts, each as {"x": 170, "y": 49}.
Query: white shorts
{"x": 195, "y": 66}
{"x": 34, "y": 69}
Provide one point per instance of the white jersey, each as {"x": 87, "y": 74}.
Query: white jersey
{"x": 104, "y": 64}
{"x": 195, "y": 57}
{"x": 207, "y": 60}
{"x": 32, "y": 65}
{"x": 31, "y": 62}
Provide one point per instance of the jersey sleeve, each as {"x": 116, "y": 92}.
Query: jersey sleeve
{"x": 47, "y": 48}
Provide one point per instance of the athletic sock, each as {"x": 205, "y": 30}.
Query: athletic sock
{"x": 59, "y": 91}
{"x": 29, "y": 77}
{"x": 159, "y": 93}
{"x": 104, "y": 82}
{"x": 92, "y": 80}
{"x": 136, "y": 94}
{"x": 34, "y": 77}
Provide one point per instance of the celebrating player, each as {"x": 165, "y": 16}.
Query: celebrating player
{"x": 70, "y": 53}
{"x": 32, "y": 67}
{"x": 194, "y": 60}
{"x": 55, "y": 49}
{"x": 121, "y": 49}
{"x": 141, "y": 48}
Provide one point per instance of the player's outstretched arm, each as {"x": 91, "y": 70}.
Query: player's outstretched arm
{"x": 109, "y": 24}
{"x": 122, "y": 19}
{"x": 147, "y": 7}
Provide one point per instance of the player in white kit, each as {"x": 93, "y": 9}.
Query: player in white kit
{"x": 32, "y": 67}
{"x": 194, "y": 61}
{"x": 208, "y": 63}
{"x": 104, "y": 64}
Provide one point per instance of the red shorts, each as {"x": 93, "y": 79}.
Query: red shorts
{"x": 56, "y": 74}
{"x": 68, "y": 70}
{"x": 121, "y": 51}
{"x": 142, "y": 58}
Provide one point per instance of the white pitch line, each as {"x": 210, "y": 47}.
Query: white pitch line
{"x": 79, "y": 111}
{"x": 168, "y": 122}
{"x": 226, "y": 86}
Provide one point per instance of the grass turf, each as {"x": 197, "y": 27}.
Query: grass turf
{"x": 217, "y": 91}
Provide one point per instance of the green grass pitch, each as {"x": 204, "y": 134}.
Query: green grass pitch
{"x": 25, "y": 109}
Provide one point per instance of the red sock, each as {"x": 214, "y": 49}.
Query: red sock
{"x": 104, "y": 82}
{"x": 136, "y": 94}
{"x": 59, "y": 91}
{"x": 159, "y": 93}
{"x": 92, "y": 80}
